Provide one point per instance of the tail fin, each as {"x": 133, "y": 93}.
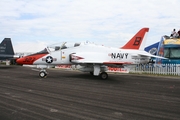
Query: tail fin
{"x": 138, "y": 41}
{"x": 6, "y": 47}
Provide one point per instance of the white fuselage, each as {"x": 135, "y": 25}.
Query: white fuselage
{"x": 92, "y": 53}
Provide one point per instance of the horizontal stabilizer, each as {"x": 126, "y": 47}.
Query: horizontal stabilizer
{"x": 150, "y": 55}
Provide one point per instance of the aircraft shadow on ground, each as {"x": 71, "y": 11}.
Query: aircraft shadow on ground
{"x": 87, "y": 76}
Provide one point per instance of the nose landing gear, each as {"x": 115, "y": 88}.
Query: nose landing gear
{"x": 43, "y": 73}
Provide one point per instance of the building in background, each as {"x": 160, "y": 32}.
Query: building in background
{"x": 167, "y": 47}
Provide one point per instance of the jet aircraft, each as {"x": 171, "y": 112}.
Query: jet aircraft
{"x": 91, "y": 57}
{"x": 6, "y": 50}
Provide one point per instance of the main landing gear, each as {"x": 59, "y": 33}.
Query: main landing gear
{"x": 102, "y": 75}
{"x": 43, "y": 73}
{"x": 99, "y": 70}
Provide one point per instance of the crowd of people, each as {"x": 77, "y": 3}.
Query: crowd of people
{"x": 175, "y": 34}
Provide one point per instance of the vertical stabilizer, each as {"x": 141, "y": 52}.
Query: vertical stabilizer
{"x": 6, "y": 47}
{"x": 138, "y": 41}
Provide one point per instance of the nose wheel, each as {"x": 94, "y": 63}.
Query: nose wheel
{"x": 42, "y": 74}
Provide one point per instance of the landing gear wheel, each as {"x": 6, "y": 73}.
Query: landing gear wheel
{"x": 42, "y": 74}
{"x": 103, "y": 75}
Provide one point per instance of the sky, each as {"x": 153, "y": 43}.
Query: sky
{"x": 34, "y": 24}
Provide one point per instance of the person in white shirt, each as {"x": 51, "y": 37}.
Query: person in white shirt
{"x": 173, "y": 33}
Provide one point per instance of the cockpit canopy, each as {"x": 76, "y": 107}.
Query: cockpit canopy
{"x": 65, "y": 45}
{"x": 62, "y": 45}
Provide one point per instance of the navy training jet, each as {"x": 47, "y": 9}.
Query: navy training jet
{"x": 93, "y": 58}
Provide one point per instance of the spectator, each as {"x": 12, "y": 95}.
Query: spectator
{"x": 173, "y": 33}
{"x": 178, "y": 33}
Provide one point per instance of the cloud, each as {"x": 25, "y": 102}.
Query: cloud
{"x": 102, "y": 21}
{"x": 29, "y": 46}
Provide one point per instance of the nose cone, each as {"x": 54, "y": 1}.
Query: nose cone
{"x": 20, "y": 61}
{"x": 28, "y": 60}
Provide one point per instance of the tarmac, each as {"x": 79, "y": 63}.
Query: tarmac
{"x": 73, "y": 95}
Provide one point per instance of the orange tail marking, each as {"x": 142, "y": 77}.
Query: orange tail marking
{"x": 137, "y": 40}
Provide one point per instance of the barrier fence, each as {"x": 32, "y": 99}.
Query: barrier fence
{"x": 164, "y": 69}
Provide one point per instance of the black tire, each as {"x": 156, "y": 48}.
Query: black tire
{"x": 42, "y": 74}
{"x": 103, "y": 75}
